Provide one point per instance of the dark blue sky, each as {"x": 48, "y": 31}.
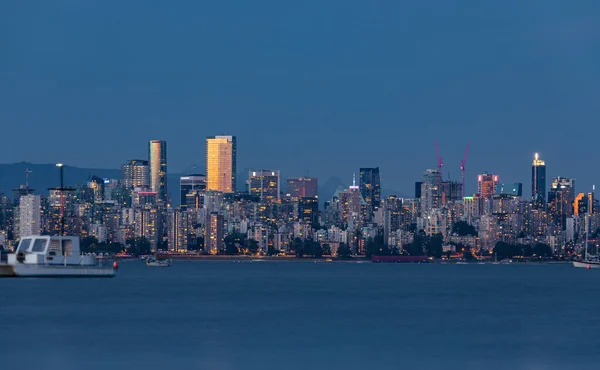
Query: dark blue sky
{"x": 325, "y": 86}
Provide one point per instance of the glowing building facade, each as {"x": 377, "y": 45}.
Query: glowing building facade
{"x": 221, "y": 158}
{"x": 157, "y": 155}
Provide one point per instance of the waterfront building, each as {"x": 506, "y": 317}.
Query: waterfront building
{"x": 157, "y": 158}
{"x": 221, "y": 163}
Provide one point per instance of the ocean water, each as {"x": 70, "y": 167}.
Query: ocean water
{"x": 304, "y": 315}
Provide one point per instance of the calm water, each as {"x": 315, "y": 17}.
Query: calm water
{"x": 298, "y": 315}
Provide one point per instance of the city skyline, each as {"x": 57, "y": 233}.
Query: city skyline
{"x": 379, "y": 97}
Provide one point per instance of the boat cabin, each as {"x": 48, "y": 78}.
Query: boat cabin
{"x": 49, "y": 250}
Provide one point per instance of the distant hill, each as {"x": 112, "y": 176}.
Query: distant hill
{"x": 44, "y": 176}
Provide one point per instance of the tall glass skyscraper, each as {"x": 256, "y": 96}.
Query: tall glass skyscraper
{"x": 538, "y": 183}
{"x": 157, "y": 158}
{"x": 370, "y": 186}
{"x": 221, "y": 158}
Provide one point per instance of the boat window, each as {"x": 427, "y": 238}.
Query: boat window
{"x": 39, "y": 245}
{"x": 55, "y": 247}
{"x": 24, "y": 245}
{"x": 67, "y": 247}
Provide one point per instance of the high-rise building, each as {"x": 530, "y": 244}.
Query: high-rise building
{"x": 370, "y": 189}
{"x": 538, "y": 182}
{"x": 560, "y": 200}
{"x": 221, "y": 159}
{"x": 213, "y": 240}
{"x": 264, "y": 184}
{"x": 135, "y": 174}
{"x": 487, "y": 185}
{"x": 192, "y": 189}
{"x": 302, "y": 187}
{"x": 430, "y": 192}
{"x": 157, "y": 154}
{"x": 308, "y": 210}
{"x": 29, "y": 215}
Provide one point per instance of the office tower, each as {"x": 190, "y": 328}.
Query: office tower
{"x": 213, "y": 241}
{"x": 370, "y": 189}
{"x": 560, "y": 200}
{"x": 221, "y": 159}
{"x": 264, "y": 184}
{"x": 135, "y": 174}
{"x": 538, "y": 183}
{"x": 29, "y": 215}
{"x": 157, "y": 154}
{"x": 487, "y": 185}
{"x": 302, "y": 187}
{"x": 192, "y": 189}
{"x": 308, "y": 210}
{"x": 430, "y": 194}
{"x": 514, "y": 189}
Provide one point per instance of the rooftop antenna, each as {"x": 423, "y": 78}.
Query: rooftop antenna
{"x": 354, "y": 179}
{"x": 27, "y": 172}
{"x": 463, "y": 164}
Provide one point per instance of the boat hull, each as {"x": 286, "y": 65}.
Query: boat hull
{"x": 25, "y": 270}
{"x": 586, "y": 265}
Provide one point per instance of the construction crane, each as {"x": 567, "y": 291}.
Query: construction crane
{"x": 463, "y": 164}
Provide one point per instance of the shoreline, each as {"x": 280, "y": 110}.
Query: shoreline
{"x": 361, "y": 259}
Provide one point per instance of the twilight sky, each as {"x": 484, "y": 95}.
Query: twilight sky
{"x": 319, "y": 86}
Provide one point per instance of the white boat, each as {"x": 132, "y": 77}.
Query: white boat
{"x": 155, "y": 262}
{"x": 53, "y": 256}
{"x": 589, "y": 261}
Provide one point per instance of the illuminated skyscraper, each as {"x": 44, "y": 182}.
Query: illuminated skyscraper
{"x": 370, "y": 189}
{"x": 157, "y": 154}
{"x": 264, "y": 184}
{"x": 134, "y": 174}
{"x": 221, "y": 158}
{"x": 538, "y": 183}
{"x": 486, "y": 185}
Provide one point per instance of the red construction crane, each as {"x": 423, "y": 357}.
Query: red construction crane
{"x": 463, "y": 163}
